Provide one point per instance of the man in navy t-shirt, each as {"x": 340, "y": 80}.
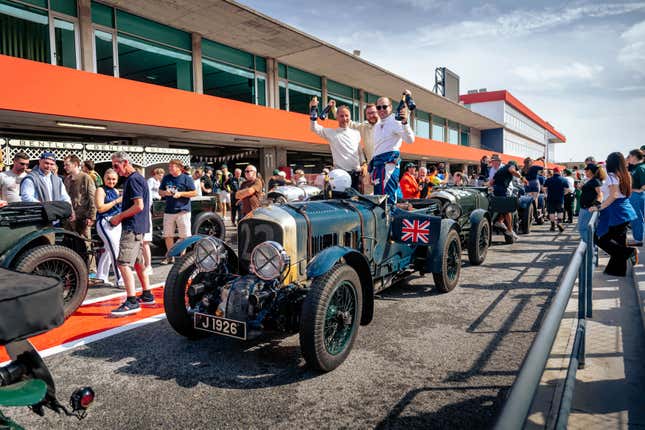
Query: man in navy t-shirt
{"x": 177, "y": 188}
{"x": 556, "y": 187}
{"x": 135, "y": 222}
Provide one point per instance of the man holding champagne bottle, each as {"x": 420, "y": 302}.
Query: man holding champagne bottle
{"x": 389, "y": 134}
{"x": 343, "y": 141}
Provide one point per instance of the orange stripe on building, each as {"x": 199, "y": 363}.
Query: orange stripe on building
{"x": 29, "y": 86}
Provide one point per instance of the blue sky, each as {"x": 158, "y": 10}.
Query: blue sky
{"x": 580, "y": 65}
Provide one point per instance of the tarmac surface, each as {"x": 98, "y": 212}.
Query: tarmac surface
{"x": 427, "y": 360}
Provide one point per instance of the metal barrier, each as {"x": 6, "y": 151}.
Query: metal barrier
{"x": 523, "y": 391}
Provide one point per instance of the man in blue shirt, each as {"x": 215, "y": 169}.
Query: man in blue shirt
{"x": 177, "y": 188}
{"x": 556, "y": 187}
{"x": 135, "y": 222}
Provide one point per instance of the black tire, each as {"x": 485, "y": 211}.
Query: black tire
{"x": 527, "y": 220}
{"x": 61, "y": 263}
{"x": 320, "y": 350}
{"x": 175, "y": 295}
{"x": 448, "y": 278}
{"x": 508, "y": 239}
{"x": 209, "y": 224}
{"x": 478, "y": 242}
{"x": 280, "y": 200}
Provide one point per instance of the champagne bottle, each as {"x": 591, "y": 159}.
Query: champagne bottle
{"x": 399, "y": 108}
{"x": 410, "y": 103}
{"x": 325, "y": 112}
{"x": 313, "y": 111}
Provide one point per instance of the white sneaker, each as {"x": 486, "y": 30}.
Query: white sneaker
{"x": 500, "y": 225}
{"x": 148, "y": 270}
{"x": 515, "y": 236}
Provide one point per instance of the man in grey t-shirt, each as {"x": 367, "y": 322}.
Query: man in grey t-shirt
{"x": 10, "y": 180}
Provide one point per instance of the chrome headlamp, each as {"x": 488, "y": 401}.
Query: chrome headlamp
{"x": 452, "y": 211}
{"x": 209, "y": 253}
{"x": 269, "y": 260}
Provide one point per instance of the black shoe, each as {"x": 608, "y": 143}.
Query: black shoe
{"x": 146, "y": 299}
{"x": 560, "y": 227}
{"x": 127, "y": 308}
{"x": 552, "y": 227}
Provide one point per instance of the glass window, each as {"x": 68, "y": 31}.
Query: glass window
{"x": 24, "y": 32}
{"x": 300, "y": 96}
{"x": 453, "y": 133}
{"x": 149, "y": 62}
{"x": 219, "y": 52}
{"x": 65, "y": 50}
{"x": 41, "y": 3}
{"x": 261, "y": 83}
{"x": 465, "y": 138}
{"x": 283, "y": 95}
{"x": 102, "y": 14}
{"x": 103, "y": 45}
{"x": 342, "y": 101}
{"x": 260, "y": 64}
{"x": 422, "y": 127}
{"x": 153, "y": 31}
{"x": 370, "y": 98}
{"x": 68, "y": 7}
{"x": 302, "y": 77}
{"x": 343, "y": 90}
{"x": 282, "y": 71}
{"x": 438, "y": 129}
{"x": 227, "y": 81}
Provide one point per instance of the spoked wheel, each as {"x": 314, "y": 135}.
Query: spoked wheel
{"x": 175, "y": 296}
{"x": 478, "y": 242}
{"x": 448, "y": 278}
{"x": 330, "y": 318}
{"x": 63, "y": 264}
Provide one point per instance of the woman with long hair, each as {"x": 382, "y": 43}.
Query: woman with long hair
{"x": 108, "y": 204}
{"x": 616, "y": 212}
{"x": 590, "y": 196}
{"x": 531, "y": 173}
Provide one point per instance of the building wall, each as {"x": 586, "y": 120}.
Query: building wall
{"x": 516, "y": 121}
{"x": 517, "y": 145}
{"x": 493, "y": 110}
{"x": 492, "y": 139}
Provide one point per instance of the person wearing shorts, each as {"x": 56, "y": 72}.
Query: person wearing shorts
{"x": 177, "y": 188}
{"x": 135, "y": 222}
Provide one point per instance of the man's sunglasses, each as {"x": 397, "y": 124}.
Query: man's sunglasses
{"x": 249, "y": 171}
{"x": 382, "y": 107}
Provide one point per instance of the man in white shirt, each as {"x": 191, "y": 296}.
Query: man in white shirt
{"x": 495, "y": 165}
{"x": 389, "y": 134}
{"x": 11, "y": 179}
{"x": 344, "y": 143}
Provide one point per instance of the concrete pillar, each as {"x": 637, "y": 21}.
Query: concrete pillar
{"x": 361, "y": 105}
{"x": 86, "y": 35}
{"x": 280, "y": 157}
{"x": 198, "y": 76}
{"x": 323, "y": 87}
{"x": 273, "y": 92}
{"x": 266, "y": 161}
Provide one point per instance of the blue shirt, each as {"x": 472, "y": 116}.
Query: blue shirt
{"x": 110, "y": 195}
{"x": 135, "y": 187}
{"x": 183, "y": 182}
{"x": 533, "y": 172}
{"x": 555, "y": 187}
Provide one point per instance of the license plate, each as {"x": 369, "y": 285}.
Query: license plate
{"x": 223, "y": 326}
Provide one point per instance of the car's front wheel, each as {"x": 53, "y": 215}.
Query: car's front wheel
{"x": 478, "y": 242}
{"x": 209, "y": 224}
{"x": 175, "y": 297}
{"x": 330, "y": 318}
{"x": 448, "y": 278}
{"x": 63, "y": 264}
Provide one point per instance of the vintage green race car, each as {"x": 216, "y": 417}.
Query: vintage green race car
{"x": 31, "y": 243}
{"x": 311, "y": 268}
{"x": 204, "y": 220}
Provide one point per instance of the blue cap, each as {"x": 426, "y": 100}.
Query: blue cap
{"x": 48, "y": 155}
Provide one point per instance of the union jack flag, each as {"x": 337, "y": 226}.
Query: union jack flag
{"x": 415, "y": 231}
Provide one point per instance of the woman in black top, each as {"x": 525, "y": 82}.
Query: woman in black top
{"x": 591, "y": 196}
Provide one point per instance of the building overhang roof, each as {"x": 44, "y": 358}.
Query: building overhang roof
{"x": 262, "y": 35}
{"x": 35, "y": 96}
{"x": 503, "y": 95}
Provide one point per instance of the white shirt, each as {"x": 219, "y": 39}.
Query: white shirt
{"x": 492, "y": 171}
{"x": 367, "y": 136}
{"x": 612, "y": 179}
{"x": 198, "y": 186}
{"x": 572, "y": 184}
{"x": 344, "y": 144}
{"x": 153, "y": 186}
{"x": 10, "y": 186}
{"x": 389, "y": 134}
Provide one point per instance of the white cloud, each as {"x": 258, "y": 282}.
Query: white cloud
{"x": 522, "y": 22}
{"x": 539, "y": 74}
{"x": 421, "y": 4}
{"x": 632, "y": 54}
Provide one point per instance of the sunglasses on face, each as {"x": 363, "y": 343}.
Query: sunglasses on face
{"x": 382, "y": 107}
{"x": 249, "y": 171}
